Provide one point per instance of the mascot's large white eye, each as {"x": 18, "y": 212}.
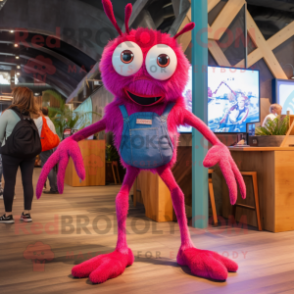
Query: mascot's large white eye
{"x": 161, "y": 62}
{"x": 127, "y": 58}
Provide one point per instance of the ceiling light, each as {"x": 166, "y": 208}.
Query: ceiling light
{"x": 11, "y": 31}
{"x": 16, "y": 57}
{"x": 37, "y": 94}
{"x": 18, "y": 73}
{"x": 18, "y": 67}
{"x": 15, "y": 45}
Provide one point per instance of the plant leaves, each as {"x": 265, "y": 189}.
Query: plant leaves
{"x": 275, "y": 127}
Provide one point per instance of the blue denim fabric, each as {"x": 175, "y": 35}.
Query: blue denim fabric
{"x": 145, "y": 140}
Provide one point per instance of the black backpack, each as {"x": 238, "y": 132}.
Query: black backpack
{"x": 24, "y": 142}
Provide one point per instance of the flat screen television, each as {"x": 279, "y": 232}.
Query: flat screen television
{"x": 233, "y": 99}
{"x": 284, "y": 94}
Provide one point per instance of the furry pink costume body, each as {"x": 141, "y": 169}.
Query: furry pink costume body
{"x": 202, "y": 263}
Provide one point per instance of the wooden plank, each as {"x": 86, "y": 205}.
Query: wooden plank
{"x": 284, "y": 191}
{"x": 267, "y": 53}
{"x": 264, "y": 108}
{"x": 186, "y": 38}
{"x": 261, "y": 148}
{"x": 273, "y": 42}
{"x": 265, "y": 259}
{"x": 164, "y": 202}
{"x": 211, "y": 4}
{"x": 93, "y": 153}
{"x": 217, "y": 53}
{"x": 156, "y": 197}
{"x": 225, "y": 18}
{"x": 289, "y": 138}
{"x": 281, "y": 36}
{"x": 69, "y": 173}
{"x": 264, "y": 165}
{"x": 256, "y": 196}
{"x": 252, "y": 58}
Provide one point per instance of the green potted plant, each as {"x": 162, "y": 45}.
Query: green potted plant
{"x": 64, "y": 117}
{"x": 273, "y": 133}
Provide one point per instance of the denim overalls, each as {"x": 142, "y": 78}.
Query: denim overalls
{"x": 145, "y": 140}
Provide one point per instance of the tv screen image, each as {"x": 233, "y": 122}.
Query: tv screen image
{"x": 233, "y": 99}
{"x": 284, "y": 91}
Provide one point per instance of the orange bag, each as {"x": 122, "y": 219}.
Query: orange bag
{"x": 49, "y": 140}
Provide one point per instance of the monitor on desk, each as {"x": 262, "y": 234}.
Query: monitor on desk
{"x": 233, "y": 99}
{"x": 284, "y": 94}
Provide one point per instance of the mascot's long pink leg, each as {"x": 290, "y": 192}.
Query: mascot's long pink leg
{"x": 107, "y": 266}
{"x": 202, "y": 263}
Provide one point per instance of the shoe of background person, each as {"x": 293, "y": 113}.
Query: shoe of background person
{"x": 51, "y": 192}
{"x": 26, "y": 218}
{"x": 6, "y": 219}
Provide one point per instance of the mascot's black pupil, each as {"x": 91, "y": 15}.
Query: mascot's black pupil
{"x": 127, "y": 56}
{"x": 163, "y": 60}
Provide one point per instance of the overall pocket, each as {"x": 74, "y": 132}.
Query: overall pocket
{"x": 145, "y": 149}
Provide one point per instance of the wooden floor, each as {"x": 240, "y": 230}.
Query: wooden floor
{"x": 266, "y": 260}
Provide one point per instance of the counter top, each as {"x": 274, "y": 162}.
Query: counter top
{"x": 232, "y": 148}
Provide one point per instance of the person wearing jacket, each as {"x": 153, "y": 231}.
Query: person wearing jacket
{"x": 24, "y": 101}
{"x": 46, "y": 154}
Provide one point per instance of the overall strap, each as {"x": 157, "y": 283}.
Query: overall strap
{"x": 124, "y": 112}
{"x": 167, "y": 111}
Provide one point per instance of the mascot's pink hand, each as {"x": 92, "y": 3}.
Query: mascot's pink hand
{"x": 68, "y": 148}
{"x": 220, "y": 154}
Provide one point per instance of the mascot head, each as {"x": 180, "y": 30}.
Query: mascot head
{"x": 143, "y": 66}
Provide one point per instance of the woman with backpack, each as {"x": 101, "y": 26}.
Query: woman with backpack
{"x": 49, "y": 141}
{"x": 20, "y": 143}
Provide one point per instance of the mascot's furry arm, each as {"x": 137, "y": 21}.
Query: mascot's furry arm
{"x": 220, "y": 154}
{"x": 147, "y": 72}
{"x": 68, "y": 148}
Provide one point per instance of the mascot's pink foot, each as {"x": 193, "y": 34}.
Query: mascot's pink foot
{"x": 104, "y": 267}
{"x": 206, "y": 264}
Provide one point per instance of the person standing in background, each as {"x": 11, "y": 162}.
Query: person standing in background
{"x": 44, "y": 156}
{"x": 20, "y": 114}
{"x": 275, "y": 110}
{"x": 1, "y": 172}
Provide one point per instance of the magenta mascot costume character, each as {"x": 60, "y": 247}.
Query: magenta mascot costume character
{"x": 147, "y": 71}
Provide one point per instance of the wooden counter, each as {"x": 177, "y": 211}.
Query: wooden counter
{"x": 261, "y": 148}
{"x": 150, "y": 190}
{"x": 93, "y": 153}
{"x": 275, "y": 173}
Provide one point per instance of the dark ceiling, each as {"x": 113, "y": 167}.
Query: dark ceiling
{"x": 271, "y": 15}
